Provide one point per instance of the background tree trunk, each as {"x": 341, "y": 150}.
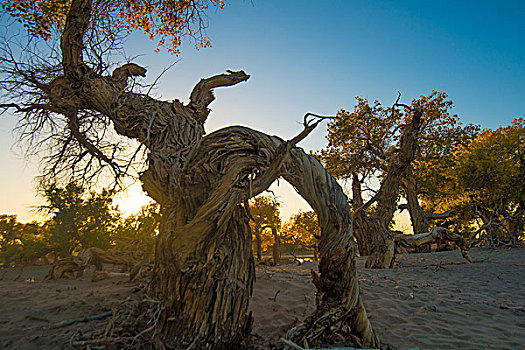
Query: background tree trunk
{"x": 363, "y": 235}
{"x": 276, "y": 248}
{"x": 258, "y": 241}
{"x": 418, "y": 216}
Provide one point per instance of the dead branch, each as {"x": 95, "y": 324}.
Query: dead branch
{"x": 202, "y": 94}
{"x": 437, "y": 234}
{"x": 309, "y": 126}
{"x": 475, "y": 241}
{"x": 70, "y": 267}
{"x": 397, "y": 104}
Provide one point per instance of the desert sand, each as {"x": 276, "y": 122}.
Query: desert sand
{"x": 429, "y": 301}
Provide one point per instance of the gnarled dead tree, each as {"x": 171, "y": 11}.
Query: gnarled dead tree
{"x": 204, "y": 266}
{"x": 437, "y": 234}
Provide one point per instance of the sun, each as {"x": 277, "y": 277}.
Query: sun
{"x": 131, "y": 200}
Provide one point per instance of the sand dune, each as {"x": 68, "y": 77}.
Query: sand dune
{"x": 430, "y": 301}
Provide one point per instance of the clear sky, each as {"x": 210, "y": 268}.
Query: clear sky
{"x": 316, "y": 56}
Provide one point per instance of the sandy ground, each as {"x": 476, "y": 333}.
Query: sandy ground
{"x": 430, "y": 301}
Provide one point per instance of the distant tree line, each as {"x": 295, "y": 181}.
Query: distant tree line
{"x": 77, "y": 219}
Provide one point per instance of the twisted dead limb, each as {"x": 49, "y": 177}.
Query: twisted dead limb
{"x": 481, "y": 233}
{"x": 437, "y": 234}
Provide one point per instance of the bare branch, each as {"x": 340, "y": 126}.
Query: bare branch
{"x": 81, "y": 138}
{"x": 397, "y": 104}
{"x": 309, "y": 126}
{"x": 160, "y": 76}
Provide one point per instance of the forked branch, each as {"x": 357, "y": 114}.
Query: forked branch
{"x": 309, "y": 126}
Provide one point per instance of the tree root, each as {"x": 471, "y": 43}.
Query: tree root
{"x": 66, "y": 323}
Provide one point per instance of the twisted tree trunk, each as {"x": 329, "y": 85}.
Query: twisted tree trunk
{"x": 204, "y": 266}
{"x": 339, "y": 307}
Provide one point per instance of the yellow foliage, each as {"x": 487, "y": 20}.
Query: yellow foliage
{"x": 169, "y": 21}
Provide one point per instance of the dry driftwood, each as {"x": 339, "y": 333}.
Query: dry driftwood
{"x": 98, "y": 257}
{"x": 71, "y": 267}
{"x": 437, "y": 234}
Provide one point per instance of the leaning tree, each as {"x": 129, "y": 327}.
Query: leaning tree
{"x": 391, "y": 144}
{"x": 204, "y": 268}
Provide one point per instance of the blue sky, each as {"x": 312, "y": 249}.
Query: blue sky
{"x": 316, "y": 56}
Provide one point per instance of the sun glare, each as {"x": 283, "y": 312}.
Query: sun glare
{"x": 131, "y": 200}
